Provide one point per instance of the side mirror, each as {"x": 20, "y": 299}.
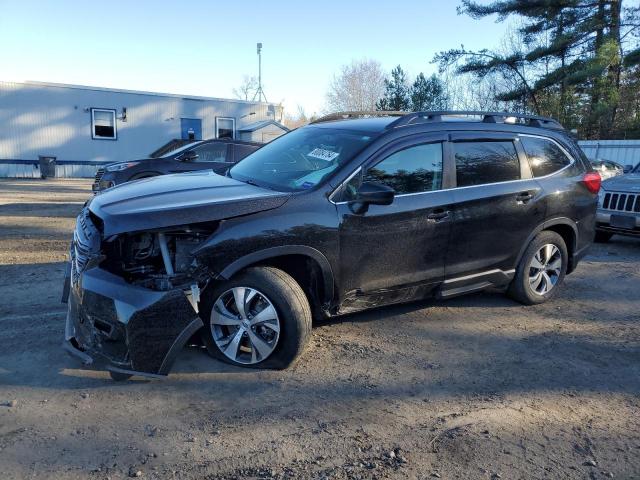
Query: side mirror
{"x": 189, "y": 156}
{"x": 373, "y": 193}
{"x": 627, "y": 168}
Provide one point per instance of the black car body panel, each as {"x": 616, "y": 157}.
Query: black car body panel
{"x": 217, "y": 155}
{"x": 179, "y": 200}
{"x": 347, "y": 256}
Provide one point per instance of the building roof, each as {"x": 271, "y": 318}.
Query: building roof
{"x": 135, "y": 92}
{"x": 252, "y": 127}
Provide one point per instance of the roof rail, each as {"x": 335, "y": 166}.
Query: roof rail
{"x": 356, "y": 114}
{"x": 487, "y": 117}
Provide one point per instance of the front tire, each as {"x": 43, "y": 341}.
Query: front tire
{"x": 261, "y": 318}
{"x": 541, "y": 270}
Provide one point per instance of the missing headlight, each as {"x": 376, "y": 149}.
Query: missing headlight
{"x": 157, "y": 260}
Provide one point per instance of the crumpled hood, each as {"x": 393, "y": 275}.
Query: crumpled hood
{"x": 179, "y": 199}
{"x": 623, "y": 183}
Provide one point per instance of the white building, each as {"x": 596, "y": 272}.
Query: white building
{"x": 624, "y": 152}
{"x": 82, "y": 127}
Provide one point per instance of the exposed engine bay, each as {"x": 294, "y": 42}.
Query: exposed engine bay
{"x": 159, "y": 261}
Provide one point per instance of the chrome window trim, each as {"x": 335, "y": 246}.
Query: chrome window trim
{"x": 572, "y": 162}
{"x": 339, "y": 187}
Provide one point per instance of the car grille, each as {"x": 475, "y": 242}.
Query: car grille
{"x": 621, "y": 202}
{"x": 86, "y": 241}
{"x": 99, "y": 175}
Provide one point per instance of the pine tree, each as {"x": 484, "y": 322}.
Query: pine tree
{"x": 428, "y": 94}
{"x": 396, "y": 93}
{"x": 588, "y": 48}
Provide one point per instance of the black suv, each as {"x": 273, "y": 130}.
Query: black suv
{"x": 338, "y": 216}
{"x": 217, "y": 155}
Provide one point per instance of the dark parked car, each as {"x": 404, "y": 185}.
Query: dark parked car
{"x": 619, "y": 207}
{"x": 217, "y": 155}
{"x": 334, "y": 217}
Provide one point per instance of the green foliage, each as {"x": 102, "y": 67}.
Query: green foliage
{"x": 428, "y": 94}
{"x": 423, "y": 94}
{"x": 574, "y": 59}
{"x": 396, "y": 92}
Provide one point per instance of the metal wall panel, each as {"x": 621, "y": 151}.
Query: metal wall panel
{"x": 624, "y": 152}
{"x": 55, "y": 120}
{"x": 19, "y": 170}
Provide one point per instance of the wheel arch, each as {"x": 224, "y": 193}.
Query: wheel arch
{"x": 287, "y": 258}
{"x": 563, "y": 226}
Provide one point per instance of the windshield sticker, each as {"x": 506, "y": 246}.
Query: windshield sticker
{"x": 322, "y": 154}
{"x": 306, "y": 185}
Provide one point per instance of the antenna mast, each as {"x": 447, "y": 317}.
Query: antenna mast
{"x": 260, "y": 92}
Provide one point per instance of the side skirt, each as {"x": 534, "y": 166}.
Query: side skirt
{"x": 474, "y": 283}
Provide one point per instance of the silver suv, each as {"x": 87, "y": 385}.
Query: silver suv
{"x": 619, "y": 206}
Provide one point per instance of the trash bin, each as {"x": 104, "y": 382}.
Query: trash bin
{"x": 47, "y": 166}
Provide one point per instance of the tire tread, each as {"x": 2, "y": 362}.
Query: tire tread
{"x": 289, "y": 292}
{"x": 519, "y": 287}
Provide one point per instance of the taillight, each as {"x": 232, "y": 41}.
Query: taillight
{"x": 592, "y": 181}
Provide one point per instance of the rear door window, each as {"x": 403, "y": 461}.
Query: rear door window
{"x": 211, "y": 152}
{"x": 545, "y": 157}
{"x": 483, "y": 162}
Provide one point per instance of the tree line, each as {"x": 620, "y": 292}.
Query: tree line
{"x": 363, "y": 86}
{"x": 575, "y": 60}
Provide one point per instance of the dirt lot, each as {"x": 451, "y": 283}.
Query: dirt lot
{"x": 477, "y": 387}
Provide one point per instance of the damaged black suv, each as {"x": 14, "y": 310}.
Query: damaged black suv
{"x": 341, "y": 215}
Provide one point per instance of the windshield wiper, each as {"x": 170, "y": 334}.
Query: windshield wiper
{"x": 253, "y": 182}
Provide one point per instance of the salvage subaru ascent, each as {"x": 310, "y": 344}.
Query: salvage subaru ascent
{"x": 355, "y": 210}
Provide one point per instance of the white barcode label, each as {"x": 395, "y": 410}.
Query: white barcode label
{"x": 322, "y": 154}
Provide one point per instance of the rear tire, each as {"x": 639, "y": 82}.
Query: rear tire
{"x": 602, "y": 237}
{"x": 541, "y": 270}
{"x": 241, "y": 335}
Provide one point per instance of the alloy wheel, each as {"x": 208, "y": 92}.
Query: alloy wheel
{"x": 245, "y": 325}
{"x": 545, "y": 269}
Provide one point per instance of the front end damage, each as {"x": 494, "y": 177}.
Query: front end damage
{"x": 132, "y": 297}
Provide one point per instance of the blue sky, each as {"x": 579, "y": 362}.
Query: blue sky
{"x": 205, "y": 47}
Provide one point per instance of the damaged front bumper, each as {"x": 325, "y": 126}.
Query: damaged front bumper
{"x": 125, "y": 328}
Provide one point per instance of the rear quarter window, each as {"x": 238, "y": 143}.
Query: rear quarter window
{"x": 545, "y": 157}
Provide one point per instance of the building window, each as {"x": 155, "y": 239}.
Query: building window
{"x": 225, "y": 127}
{"x": 103, "y": 124}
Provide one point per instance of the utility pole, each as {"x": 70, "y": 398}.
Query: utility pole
{"x": 259, "y": 92}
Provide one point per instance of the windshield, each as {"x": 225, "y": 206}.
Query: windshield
{"x": 301, "y": 159}
{"x": 178, "y": 150}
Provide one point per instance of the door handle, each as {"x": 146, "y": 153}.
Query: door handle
{"x": 524, "y": 197}
{"x": 438, "y": 215}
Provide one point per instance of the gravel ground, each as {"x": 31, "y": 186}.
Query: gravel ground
{"x": 476, "y": 387}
